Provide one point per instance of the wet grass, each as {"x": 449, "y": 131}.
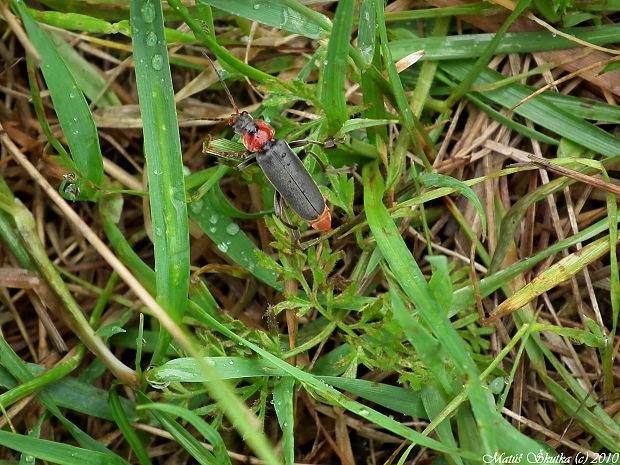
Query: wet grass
{"x": 464, "y": 303}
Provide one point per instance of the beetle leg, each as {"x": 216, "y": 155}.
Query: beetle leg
{"x": 279, "y": 211}
{"x": 328, "y": 144}
{"x": 277, "y": 204}
{"x": 251, "y": 159}
{"x": 305, "y": 152}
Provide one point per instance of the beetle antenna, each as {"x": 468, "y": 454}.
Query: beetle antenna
{"x": 230, "y": 97}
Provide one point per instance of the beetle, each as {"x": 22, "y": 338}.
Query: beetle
{"x": 282, "y": 167}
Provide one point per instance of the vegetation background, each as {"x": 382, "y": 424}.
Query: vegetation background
{"x": 463, "y": 308}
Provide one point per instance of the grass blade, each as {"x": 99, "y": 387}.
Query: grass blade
{"x": 164, "y": 165}
{"x": 336, "y": 65}
{"x": 69, "y": 102}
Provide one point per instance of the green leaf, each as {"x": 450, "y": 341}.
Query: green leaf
{"x": 56, "y": 452}
{"x": 162, "y": 150}
{"x": 70, "y": 105}
{"x": 440, "y": 180}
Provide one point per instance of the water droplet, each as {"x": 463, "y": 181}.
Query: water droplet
{"x": 284, "y": 425}
{"x": 232, "y": 229}
{"x": 213, "y": 219}
{"x": 157, "y": 62}
{"x": 231, "y": 363}
{"x": 196, "y": 207}
{"x": 75, "y": 119}
{"x": 223, "y": 246}
{"x": 148, "y": 12}
{"x": 72, "y": 95}
{"x": 71, "y": 192}
{"x": 209, "y": 361}
{"x": 364, "y": 412}
{"x": 256, "y": 6}
{"x": 29, "y": 458}
{"x": 151, "y": 39}
{"x": 212, "y": 229}
{"x": 367, "y": 52}
{"x": 178, "y": 200}
{"x": 156, "y": 172}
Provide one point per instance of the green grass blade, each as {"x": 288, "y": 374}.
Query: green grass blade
{"x": 186, "y": 370}
{"x": 540, "y": 111}
{"x": 424, "y": 343}
{"x": 181, "y": 435}
{"x": 220, "y": 52}
{"x": 76, "y": 395}
{"x": 164, "y": 165}
{"x": 473, "y": 45}
{"x": 402, "y": 264}
{"x": 283, "y": 395}
{"x": 70, "y": 105}
{"x": 55, "y": 452}
{"x": 287, "y": 16}
{"x": 481, "y": 63}
{"x": 336, "y": 66}
{"x": 230, "y": 240}
{"x": 207, "y": 431}
{"x": 328, "y": 393}
{"x": 596, "y": 422}
{"x": 86, "y": 77}
{"x": 125, "y": 426}
{"x": 17, "y": 368}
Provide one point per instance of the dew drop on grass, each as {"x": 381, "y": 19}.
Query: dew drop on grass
{"x": 157, "y": 62}
{"x": 231, "y": 363}
{"x": 364, "y": 412}
{"x": 151, "y": 39}
{"x": 256, "y": 6}
{"x": 148, "y": 12}
{"x": 232, "y": 229}
{"x": 292, "y": 19}
{"x": 197, "y": 206}
{"x": 367, "y": 53}
{"x": 209, "y": 361}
